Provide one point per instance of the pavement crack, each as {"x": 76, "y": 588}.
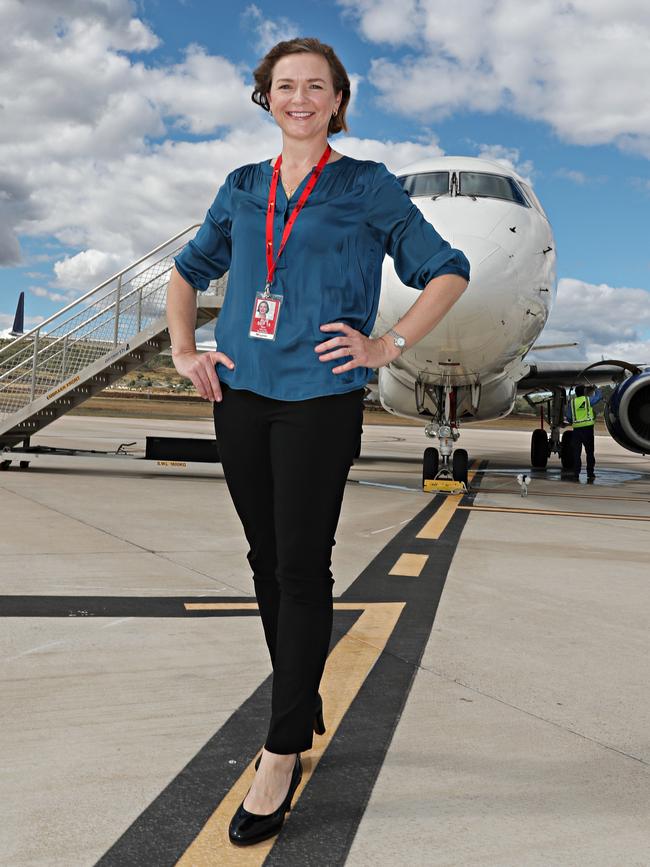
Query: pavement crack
{"x": 448, "y": 679}
{"x": 238, "y": 590}
{"x": 79, "y": 521}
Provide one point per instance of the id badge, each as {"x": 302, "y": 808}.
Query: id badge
{"x": 266, "y": 312}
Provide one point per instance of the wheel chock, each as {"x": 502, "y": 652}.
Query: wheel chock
{"x": 444, "y": 486}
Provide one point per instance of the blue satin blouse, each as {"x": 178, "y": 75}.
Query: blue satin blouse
{"x": 329, "y": 271}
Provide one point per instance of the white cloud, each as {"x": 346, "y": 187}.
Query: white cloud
{"x": 572, "y": 175}
{"x": 608, "y": 321}
{"x": 92, "y": 266}
{"x": 7, "y": 321}
{"x": 41, "y": 292}
{"x": 83, "y": 136}
{"x": 385, "y": 20}
{"x": 582, "y": 66}
{"x": 642, "y": 184}
{"x": 355, "y": 83}
{"x": 509, "y": 158}
{"x": 393, "y": 154}
{"x": 579, "y": 178}
{"x": 268, "y": 31}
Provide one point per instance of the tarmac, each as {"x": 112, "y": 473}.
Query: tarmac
{"x": 486, "y": 696}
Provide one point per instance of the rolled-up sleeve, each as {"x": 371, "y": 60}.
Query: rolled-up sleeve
{"x": 207, "y": 256}
{"x": 418, "y": 251}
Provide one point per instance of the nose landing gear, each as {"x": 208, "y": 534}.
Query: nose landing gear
{"x": 447, "y": 464}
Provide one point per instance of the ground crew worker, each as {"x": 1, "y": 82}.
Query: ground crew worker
{"x": 580, "y": 414}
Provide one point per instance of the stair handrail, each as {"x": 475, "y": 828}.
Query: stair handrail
{"x": 106, "y": 282}
{"x": 47, "y": 348}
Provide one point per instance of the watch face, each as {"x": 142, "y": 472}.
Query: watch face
{"x": 400, "y": 341}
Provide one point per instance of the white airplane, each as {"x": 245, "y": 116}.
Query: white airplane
{"x": 473, "y": 365}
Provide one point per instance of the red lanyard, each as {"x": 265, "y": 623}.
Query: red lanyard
{"x": 270, "y": 211}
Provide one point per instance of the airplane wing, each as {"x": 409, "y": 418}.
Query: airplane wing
{"x": 546, "y": 374}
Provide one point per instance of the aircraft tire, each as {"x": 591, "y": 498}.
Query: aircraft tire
{"x": 459, "y": 465}
{"x": 539, "y": 449}
{"x": 430, "y": 464}
{"x": 566, "y": 450}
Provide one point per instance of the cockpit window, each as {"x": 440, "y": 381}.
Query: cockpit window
{"x": 535, "y": 202}
{"x": 426, "y": 184}
{"x": 488, "y": 186}
{"x": 479, "y": 184}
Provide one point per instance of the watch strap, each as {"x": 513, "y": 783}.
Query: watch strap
{"x": 398, "y": 339}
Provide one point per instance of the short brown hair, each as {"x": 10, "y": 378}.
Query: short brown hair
{"x": 263, "y": 75}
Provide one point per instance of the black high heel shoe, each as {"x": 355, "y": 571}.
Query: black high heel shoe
{"x": 248, "y": 828}
{"x": 319, "y": 725}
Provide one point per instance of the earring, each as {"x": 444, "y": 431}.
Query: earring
{"x": 334, "y": 112}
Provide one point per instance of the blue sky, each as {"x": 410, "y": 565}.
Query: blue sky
{"x": 457, "y": 84}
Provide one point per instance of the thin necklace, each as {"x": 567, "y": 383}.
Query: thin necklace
{"x": 289, "y": 190}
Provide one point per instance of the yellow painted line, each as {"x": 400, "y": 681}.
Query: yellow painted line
{"x": 409, "y": 564}
{"x": 224, "y": 606}
{"x": 437, "y": 523}
{"x": 536, "y": 493}
{"x": 557, "y": 512}
{"x": 347, "y": 668}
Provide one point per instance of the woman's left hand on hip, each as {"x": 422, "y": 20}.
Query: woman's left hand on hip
{"x": 365, "y": 351}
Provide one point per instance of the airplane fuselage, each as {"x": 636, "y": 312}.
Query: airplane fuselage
{"x": 481, "y": 342}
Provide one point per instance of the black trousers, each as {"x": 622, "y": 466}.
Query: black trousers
{"x": 583, "y": 436}
{"x": 285, "y": 464}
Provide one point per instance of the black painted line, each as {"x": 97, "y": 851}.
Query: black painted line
{"x": 326, "y": 817}
{"x": 166, "y": 828}
{"x": 120, "y": 606}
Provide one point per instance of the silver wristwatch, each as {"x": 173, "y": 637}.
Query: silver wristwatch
{"x": 398, "y": 340}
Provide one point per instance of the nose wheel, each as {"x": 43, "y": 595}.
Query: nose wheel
{"x": 460, "y": 464}
{"x": 430, "y": 463}
{"x": 455, "y": 469}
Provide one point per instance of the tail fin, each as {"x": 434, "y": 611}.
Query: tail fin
{"x": 19, "y": 324}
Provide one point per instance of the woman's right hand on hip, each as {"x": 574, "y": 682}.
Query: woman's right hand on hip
{"x": 200, "y": 368}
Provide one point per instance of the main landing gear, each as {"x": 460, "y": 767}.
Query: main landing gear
{"x": 443, "y": 463}
{"x": 543, "y": 444}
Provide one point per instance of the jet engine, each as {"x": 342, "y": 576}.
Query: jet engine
{"x": 628, "y": 413}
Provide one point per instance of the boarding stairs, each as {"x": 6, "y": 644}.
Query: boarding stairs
{"x": 92, "y": 343}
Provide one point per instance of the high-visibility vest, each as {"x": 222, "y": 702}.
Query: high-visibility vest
{"x": 582, "y": 412}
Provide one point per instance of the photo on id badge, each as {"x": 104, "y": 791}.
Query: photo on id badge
{"x": 266, "y": 311}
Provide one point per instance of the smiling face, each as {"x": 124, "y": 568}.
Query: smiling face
{"x": 302, "y": 96}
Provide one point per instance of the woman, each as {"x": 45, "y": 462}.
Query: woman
{"x": 307, "y": 231}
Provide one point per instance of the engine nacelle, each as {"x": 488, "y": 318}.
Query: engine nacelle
{"x": 627, "y": 415}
